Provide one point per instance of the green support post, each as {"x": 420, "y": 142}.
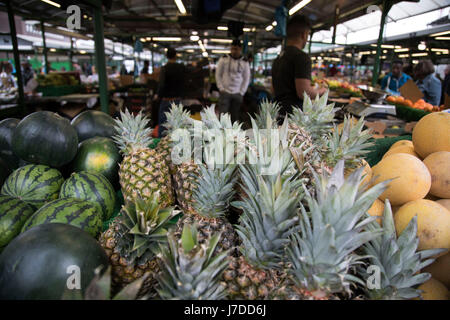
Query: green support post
{"x": 387, "y": 5}
{"x": 47, "y": 67}
{"x": 310, "y": 42}
{"x": 100, "y": 59}
{"x": 12, "y": 30}
{"x": 336, "y": 19}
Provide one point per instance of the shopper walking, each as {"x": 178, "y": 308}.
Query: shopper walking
{"x": 291, "y": 70}
{"x": 394, "y": 80}
{"x": 171, "y": 87}
{"x": 232, "y": 78}
{"x": 427, "y": 82}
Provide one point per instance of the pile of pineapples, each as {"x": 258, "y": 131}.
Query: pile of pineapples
{"x": 291, "y": 222}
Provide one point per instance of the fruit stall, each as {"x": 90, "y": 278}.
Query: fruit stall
{"x": 346, "y": 198}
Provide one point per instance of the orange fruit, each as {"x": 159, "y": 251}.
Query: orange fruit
{"x": 409, "y": 103}
{"x": 391, "y": 99}
{"x": 400, "y": 99}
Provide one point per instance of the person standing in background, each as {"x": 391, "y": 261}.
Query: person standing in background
{"x": 394, "y": 80}
{"x": 27, "y": 72}
{"x": 291, "y": 70}
{"x": 427, "y": 82}
{"x": 171, "y": 87}
{"x": 445, "y": 85}
{"x": 232, "y": 78}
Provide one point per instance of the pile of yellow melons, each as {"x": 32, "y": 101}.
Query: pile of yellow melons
{"x": 420, "y": 173}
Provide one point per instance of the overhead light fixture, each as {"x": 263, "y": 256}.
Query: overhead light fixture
{"x": 180, "y": 6}
{"x": 247, "y": 30}
{"x": 440, "y": 34}
{"x": 221, "y": 51}
{"x": 403, "y": 56}
{"x": 222, "y": 28}
{"x": 52, "y": 50}
{"x": 339, "y": 49}
{"x": 269, "y": 28}
{"x": 415, "y": 61}
{"x": 365, "y": 52}
{"x": 443, "y": 38}
{"x": 190, "y": 50}
{"x": 221, "y": 40}
{"x": 194, "y": 33}
{"x": 200, "y": 43}
{"x": 205, "y": 54}
{"x": 250, "y": 43}
{"x": 90, "y": 18}
{"x": 82, "y": 52}
{"x": 85, "y": 16}
{"x": 175, "y": 39}
{"x": 55, "y": 4}
{"x": 402, "y": 50}
{"x": 195, "y": 38}
{"x": 387, "y": 46}
{"x": 422, "y": 46}
{"x": 419, "y": 54}
{"x": 155, "y": 45}
{"x": 398, "y": 47}
{"x": 298, "y": 6}
{"x": 142, "y": 39}
{"x": 440, "y": 50}
{"x": 148, "y": 38}
{"x": 274, "y": 23}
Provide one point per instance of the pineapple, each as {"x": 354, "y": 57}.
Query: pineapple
{"x": 269, "y": 217}
{"x": 397, "y": 259}
{"x": 190, "y": 270}
{"x": 177, "y": 118}
{"x": 143, "y": 171}
{"x": 267, "y": 110}
{"x": 316, "y": 117}
{"x": 322, "y": 253}
{"x": 133, "y": 238}
{"x": 348, "y": 144}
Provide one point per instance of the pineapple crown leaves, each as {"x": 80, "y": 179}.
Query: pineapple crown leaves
{"x": 269, "y": 218}
{"x": 398, "y": 260}
{"x": 214, "y": 190}
{"x": 143, "y": 226}
{"x": 177, "y": 118}
{"x": 189, "y": 270}
{"x": 335, "y": 226}
{"x": 349, "y": 144}
{"x": 132, "y": 132}
{"x": 316, "y": 116}
{"x": 268, "y": 110}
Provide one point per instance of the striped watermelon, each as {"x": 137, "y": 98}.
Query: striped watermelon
{"x": 78, "y": 213}
{"x": 35, "y": 184}
{"x": 13, "y": 214}
{"x": 93, "y": 187}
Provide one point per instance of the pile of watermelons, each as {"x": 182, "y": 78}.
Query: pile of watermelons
{"x": 58, "y": 182}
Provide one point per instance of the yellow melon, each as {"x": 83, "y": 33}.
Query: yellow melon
{"x": 434, "y": 290}
{"x": 376, "y": 210}
{"x": 433, "y": 223}
{"x": 412, "y": 180}
{"x": 440, "y": 269}
{"x": 438, "y": 164}
{"x": 402, "y": 143}
{"x": 401, "y": 149}
{"x": 445, "y": 203}
{"x": 431, "y": 134}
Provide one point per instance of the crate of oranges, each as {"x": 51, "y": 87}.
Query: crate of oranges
{"x": 409, "y": 111}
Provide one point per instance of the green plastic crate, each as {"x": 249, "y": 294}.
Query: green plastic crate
{"x": 380, "y": 147}
{"x": 57, "y": 91}
{"x": 409, "y": 114}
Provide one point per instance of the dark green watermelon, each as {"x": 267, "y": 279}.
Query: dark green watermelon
{"x": 13, "y": 214}
{"x": 99, "y": 155}
{"x": 78, "y": 213}
{"x": 92, "y": 123}
{"x": 43, "y": 262}
{"x": 5, "y": 170}
{"x": 35, "y": 184}
{"x": 7, "y": 127}
{"x": 92, "y": 187}
{"x": 44, "y": 137}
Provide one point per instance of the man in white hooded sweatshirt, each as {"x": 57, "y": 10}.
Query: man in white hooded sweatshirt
{"x": 232, "y": 78}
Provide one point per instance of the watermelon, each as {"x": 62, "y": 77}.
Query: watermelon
{"x": 92, "y": 123}
{"x": 78, "y": 213}
{"x": 13, "y": 214}
{"x": 7, "y": 127}
{"x": 44, "y": 137}
{"x": 99, "y": 155}
{"x": 40, "y": 263}
{"x": 92, "y": 187}
{"x": 35, "y": 184}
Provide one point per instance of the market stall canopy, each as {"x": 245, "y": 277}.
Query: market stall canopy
{"x": 6, "y": 43}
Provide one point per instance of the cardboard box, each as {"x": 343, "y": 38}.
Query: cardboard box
{"x": 126, "y": 80}
{"x": 411, "y": 91}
